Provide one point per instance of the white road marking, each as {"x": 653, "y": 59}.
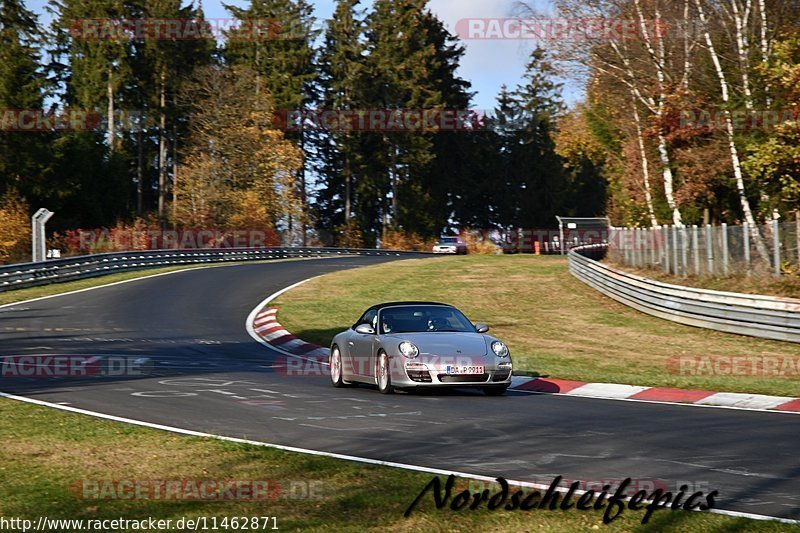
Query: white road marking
{"x": 606, "y": 390}
{"x": 365, "y": 460}
{"x": 751, "y": 401}
{"x": 657, "y": 402}
{"x": 248, "y": 324}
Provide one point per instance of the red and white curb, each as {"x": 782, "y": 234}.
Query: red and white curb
{"x": 758, "y": 402}
{"x": 266, "y": 326}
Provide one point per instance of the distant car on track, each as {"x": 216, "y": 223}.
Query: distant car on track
{"x": 410, "y": 345}
{"x": 450, "y": 245}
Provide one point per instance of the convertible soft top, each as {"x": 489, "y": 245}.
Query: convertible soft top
{"x": 395, "y": 304}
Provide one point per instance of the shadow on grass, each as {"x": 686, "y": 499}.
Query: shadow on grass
{"x": 323, "y": 337}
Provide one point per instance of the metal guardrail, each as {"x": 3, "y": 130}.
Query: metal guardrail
{"x": 22, "y": 275}
{"x": 767, "y": 317}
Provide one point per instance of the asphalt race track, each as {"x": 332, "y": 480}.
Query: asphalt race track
{"x": 209, "y": 375}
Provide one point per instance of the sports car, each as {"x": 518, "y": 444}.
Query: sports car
{"x": 450, "y": 245}
{"x": 411, "y": 345}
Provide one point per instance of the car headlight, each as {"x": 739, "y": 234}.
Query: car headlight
{"x": 408, "y": 349}
{"x": 500, "y": 349}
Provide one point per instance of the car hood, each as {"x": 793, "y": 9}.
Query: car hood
{"x": 444, "y": 343}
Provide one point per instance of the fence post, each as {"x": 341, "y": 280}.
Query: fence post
{"x": 725, "y": 248}
{"x": 746, "y": 237}
{"x": 709, "y": 251}
{"x": 776, "y": 245}
{"x": 653, "y": 245}
{"x": 684, "y": 251}
{"x": 625, "y": 252}
{"x": 797, "y": 233}
{"x": 665, "y": 259}
{"x": 695, "y": 251}
{"x": 675, "y": 250}
{"x": 639, "y": 248}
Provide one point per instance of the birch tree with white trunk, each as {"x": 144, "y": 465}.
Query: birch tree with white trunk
{"x": 730, "y": 131}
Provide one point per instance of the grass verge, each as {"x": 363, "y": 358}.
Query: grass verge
{"x": 46, "y": 454}
{"x": 762, "y": 282}
{"x": 554, "y": 324}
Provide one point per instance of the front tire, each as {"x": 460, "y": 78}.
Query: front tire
{"x": 495, "y": 391}
{"x": 383, "y": 374}
{"x": 336, "y": 368}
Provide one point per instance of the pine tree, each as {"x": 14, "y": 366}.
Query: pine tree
{"x": 166, "y": 62}
{"x": 537, "y": 185}
{"x": 341, "y": 67}
{"x": 160, "y": 67}
{"x": 21, "y": 88}
{"x": 410, "y": 66}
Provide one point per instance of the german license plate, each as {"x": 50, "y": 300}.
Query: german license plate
{"x": 464, "y": 370}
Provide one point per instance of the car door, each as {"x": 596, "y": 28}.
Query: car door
{"x": 360, "y": 346}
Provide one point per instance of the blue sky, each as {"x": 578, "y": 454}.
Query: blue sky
{"x": 487, "y": 64}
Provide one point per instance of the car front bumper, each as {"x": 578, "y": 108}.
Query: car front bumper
{"x": 445, "y": 250}
{"x": 415, "y": 374}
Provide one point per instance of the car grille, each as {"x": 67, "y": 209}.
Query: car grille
{"x": 501, "y": 375}
{"x": 420, "y": 376}
{"x": 475, "y": 378}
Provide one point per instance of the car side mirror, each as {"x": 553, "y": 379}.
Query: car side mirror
{"x": 481, "y": 328}
{"x": 365, "y": 329}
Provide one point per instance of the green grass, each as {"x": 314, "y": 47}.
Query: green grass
{"x": 759, "y": 282}
{"x": 554, "y": 324}
{"x": 46, "y": 452}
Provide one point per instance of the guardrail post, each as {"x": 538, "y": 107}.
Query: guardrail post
{"x": 776, "y": 245}
{"x": 695, "y": 251}
{"x": 709, "y": 251}
{"x": 724, "y": 248}
{"x": 746, "y": 237}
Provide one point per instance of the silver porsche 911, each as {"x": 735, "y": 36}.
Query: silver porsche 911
{"x": 406, "y": 345}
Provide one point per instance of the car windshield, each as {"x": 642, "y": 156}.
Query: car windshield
{"x": 424, "y": 318}
{"x": 448, "y": 240}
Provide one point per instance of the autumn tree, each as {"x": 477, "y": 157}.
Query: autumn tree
{"x": 15, "y": 231}
{"x": 237, "y": 168}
